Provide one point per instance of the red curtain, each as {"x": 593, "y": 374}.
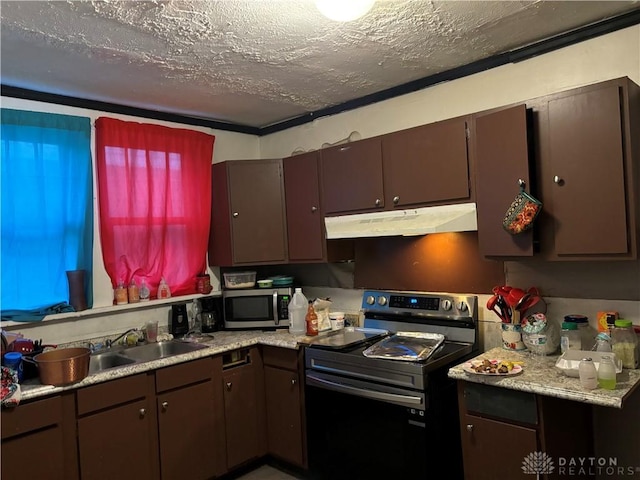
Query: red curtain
{"x": 154, "y": 198}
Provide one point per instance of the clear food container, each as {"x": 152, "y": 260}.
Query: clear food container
{"x": 239, "y": 279}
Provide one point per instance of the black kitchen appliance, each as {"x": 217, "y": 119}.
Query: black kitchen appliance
{"x": 389, "y": 417}
{"x": 178, "y": 320}
{"x": 210, "y": 315}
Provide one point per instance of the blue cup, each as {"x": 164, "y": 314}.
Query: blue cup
{"x": 13, "y": 360}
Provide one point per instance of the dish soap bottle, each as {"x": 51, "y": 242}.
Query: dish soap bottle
{"x": 120, "y": 293}
{"x": 134, "y": 292}
{"x": 144, "y": 291}
{"x": 163, "y": 289}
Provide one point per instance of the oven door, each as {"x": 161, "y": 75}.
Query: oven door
{"x": 359, "y": 429}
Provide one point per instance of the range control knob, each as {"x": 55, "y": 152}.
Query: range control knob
{"x": 446, "y": 305}
{"x": 462, "y": 306}
{"x": 382, "y": 301}
{"x": 371, "y": 300}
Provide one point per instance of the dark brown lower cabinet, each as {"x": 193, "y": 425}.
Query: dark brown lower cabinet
{"x": 516, "y": 435}
{"x": 38, "y": 440}
{"x": 190, "y": 433}
{"x": 243, "y": 419}
{"x": 284, "y": 397}
{"x": 116, "y": 430}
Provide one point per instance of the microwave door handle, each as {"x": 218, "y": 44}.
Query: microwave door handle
{"x": 276, "y": 314}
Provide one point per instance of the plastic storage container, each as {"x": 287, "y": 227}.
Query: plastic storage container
{"x": 570, "y": 337}
{"x": 625, "y": 343}
{"x": 587, "y": 333}
{"x": 297, "y": 311}
{"x": 239, "y": 279}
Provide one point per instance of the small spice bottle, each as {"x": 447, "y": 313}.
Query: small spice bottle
{"x": 312, "y": 320}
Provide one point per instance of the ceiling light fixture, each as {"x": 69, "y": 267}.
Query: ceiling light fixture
{"x": 344, "y": 10}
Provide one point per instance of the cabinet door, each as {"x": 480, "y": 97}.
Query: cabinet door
{"x": 39, "y": 439}
{"x": 501, "y": 154}
{"x": 115, "y": 443}
{"x": 186, "y": 426}
{"x": 241, "y": 415}
{"x": 284, "y": 420}
{"x": 256, "y": 193}
{"x": 587, "y": 179}
{"x": 305, "y": 228}
{"x": 495, "y": 450}
{"x": 18, "y": 455}
{"x": 426, "y": 164}
{"x": 351, "y": 177}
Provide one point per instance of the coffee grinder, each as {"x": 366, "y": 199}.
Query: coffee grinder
{"x": 179, "y": 320}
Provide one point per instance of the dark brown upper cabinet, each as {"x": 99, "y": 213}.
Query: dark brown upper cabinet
{"x": 248, "y": 220}
{"x": 500, "y": 147}
{"x": 305, "y": 226}
{"x": 589, "y": 172}
{"x": 351, "y": 177}
{"x": 426, "y": 165}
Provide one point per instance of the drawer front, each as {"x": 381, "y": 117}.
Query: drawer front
{"x": 280, "y": 357}
{"x": 501, "y": 403}
{"x": 31, "y": 416}
{"x": 111, "y": 393}
{"x": 184, "y": 374}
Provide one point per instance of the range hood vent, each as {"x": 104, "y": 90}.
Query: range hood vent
{"x": 420, "y": 221}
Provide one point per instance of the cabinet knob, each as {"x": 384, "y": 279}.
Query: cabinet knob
{"x": 235, "y": 214}
{"x": 378, "y": 202}
{"x": 294, "y": 381}
{"x": 229, "y": 385}
{"x": 314, "y": 209}
{"x": 396, "y": 199}
{"x": 558, "y": 180}
{"x": 142, "y": 412}
{"x": 469, "y": 428}
{"x": 165, "y": 405}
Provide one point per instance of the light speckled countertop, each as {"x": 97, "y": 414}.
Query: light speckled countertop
{"x": 541, "y": 377}
{"x": 222, "y": 342}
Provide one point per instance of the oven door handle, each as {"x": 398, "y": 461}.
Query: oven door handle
{"x": 360, "y": 392}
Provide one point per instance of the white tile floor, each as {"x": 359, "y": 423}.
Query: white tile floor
{"x": 266, "y": 472}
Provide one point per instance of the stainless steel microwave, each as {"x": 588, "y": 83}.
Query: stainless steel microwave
{"x": 257, "y": 308}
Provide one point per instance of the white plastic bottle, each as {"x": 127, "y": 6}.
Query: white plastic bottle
{"x": 588, "y": 374}
{"x": 297, "y": 311}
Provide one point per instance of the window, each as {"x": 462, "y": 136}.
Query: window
{"x": 47, "y": 209}
{"x": 154, "y": 199}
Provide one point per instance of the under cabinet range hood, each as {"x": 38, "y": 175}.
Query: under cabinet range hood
{"x": 419, "y": 221}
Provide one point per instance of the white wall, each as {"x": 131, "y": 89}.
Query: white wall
{"x": 610, "y": 56}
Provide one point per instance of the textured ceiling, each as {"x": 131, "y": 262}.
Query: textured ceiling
{"x": 261, "y": 62}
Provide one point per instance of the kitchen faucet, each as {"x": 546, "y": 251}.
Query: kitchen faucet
{"x": 110, "y": 343}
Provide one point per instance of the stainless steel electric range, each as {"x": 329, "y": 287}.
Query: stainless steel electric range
{"x": 394, "y": 412}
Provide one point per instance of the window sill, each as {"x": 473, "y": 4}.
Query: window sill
{"x": 99, "y": 311}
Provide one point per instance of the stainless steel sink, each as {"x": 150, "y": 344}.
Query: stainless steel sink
{"x": 155, "y": 351}
{"x": 107, "y": 360}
